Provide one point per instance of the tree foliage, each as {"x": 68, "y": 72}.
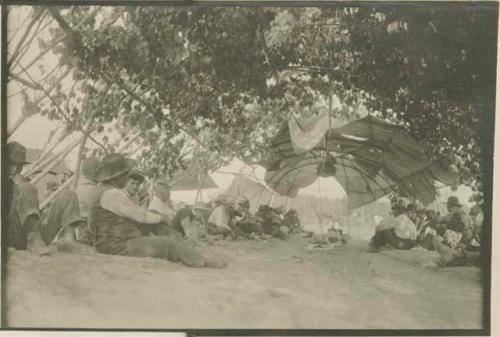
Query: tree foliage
{"x": 223, "y": 79}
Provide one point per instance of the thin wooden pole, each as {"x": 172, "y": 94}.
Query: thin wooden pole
{"x": 287, "y": 203}
{"x": 56, "y": 162}
{"x": 43, "y": 156}
{"x": 24, "y": 116}
{"x": 50, "y": 158}
{"x": 272, "y": 199}
{"x": 14, "y": 54}
{"x": 51, "y": 197}
{"x": 58, "y": 39}
{"x": 320, "y": 210}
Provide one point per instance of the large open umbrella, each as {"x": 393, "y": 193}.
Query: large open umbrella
{"x": 369, "y": 157}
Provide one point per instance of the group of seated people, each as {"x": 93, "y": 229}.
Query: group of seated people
{"x": 456, "y": 235}
{"x": 104, "y": 211}
{"x": 233, "y": 218}
{"x": 112, "y": 210}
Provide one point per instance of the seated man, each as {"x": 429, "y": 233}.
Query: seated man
{"x": 272, "y": 222}
{"x": 454, "y": 236}
{"x": 161, "y": 204}
{"x": 57, "y": 222}
{"x": 188, "y": 221}
{"x": 221, "y": 220}
{"x": 21, "y": 200}
{"x": 246, "y": 222}
{"x": 455, "y": 227}
{"x": 116, "y": 219}
{"x": 292, "y": 221}
{"x": 161, "y": 201}
{"x": 398, "y": 231}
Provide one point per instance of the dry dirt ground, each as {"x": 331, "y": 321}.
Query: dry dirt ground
{"x": 269, "y": 284}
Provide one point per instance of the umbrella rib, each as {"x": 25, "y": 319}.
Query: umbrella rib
{"x": 291, "y": 169}
{"x": 364, "y": 177}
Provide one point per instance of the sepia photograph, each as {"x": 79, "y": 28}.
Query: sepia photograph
{"x": 313, "y": 167}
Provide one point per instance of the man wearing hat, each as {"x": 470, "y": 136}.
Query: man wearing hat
{"x": 399, "y": 230}
{"x": 247, "y": 223}
{"x": 56, "y": 222}
{"x": 21, "y": 199}
{"x": 116, "y": 220}
{"x": 456, "y": 226}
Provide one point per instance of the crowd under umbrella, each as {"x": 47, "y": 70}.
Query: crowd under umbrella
{"x": 369, "y": 157}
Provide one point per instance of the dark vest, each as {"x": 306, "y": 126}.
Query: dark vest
{"x": 111, "y": 230}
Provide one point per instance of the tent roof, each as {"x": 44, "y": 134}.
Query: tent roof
{"x": 183, "y": 182}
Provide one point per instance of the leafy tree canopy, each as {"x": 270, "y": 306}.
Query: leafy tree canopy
{"x": 223, "y": 79}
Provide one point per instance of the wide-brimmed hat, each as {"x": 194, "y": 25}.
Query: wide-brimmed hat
{"x": 90, "y": 167}
{"x": 112, "y": 166}
{"x": 137, "y": 174}
{"x": 453, "y": 201}
{"x": 16, "y": 153}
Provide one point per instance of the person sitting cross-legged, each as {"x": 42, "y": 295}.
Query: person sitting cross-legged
{"x": 116, "y": 220}
{"x": 399, "y": 231}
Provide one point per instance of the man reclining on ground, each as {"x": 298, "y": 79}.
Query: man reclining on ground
{"x": 116, "y": 220}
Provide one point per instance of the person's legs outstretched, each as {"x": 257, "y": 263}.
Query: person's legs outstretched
{"x": 167, "y": 248}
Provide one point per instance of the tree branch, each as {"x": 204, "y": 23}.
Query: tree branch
{"x": 14, "y": 55}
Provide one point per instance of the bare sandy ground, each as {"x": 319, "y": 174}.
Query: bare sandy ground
{"x": 268, "y": 285}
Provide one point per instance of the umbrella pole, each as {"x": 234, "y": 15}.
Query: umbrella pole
{"x": 320, "y": 215}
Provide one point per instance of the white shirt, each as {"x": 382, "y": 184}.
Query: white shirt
{"x": 159, "y": 206}
{"x": 219, "y": 217}
{"x": 405, "y": 228}
{"x": 402, "y": 224}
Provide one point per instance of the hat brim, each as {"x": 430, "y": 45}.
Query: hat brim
{"x": 117, "y": 174}
{"x": 136, "y": 176}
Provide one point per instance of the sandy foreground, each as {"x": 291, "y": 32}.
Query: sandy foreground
{"x": 269, "y": 284}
